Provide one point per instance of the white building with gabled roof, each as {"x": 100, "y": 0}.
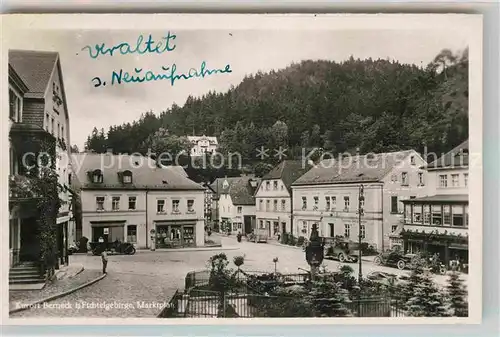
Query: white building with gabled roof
{"x": 202, "y": 144}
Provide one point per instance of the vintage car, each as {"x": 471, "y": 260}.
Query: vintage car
{"x": 341, "y": 250}
{"x": 394, "y": 258}
{"x": 387, "y": 279}
{"x": 116, "y": 247}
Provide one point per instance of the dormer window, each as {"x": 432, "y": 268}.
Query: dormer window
{"x": 97, "y": 177}
{"x": 127, "y": 177}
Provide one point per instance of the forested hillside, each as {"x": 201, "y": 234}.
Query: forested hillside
{"x": 373, "y": 105}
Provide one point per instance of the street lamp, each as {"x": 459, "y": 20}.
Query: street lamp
{"x": 361, "y": 200}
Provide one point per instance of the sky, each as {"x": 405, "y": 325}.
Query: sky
{"x": 246, "y": 51}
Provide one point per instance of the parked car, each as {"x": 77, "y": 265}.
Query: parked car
{"x": 394, "y": 258}
{"x": 116, "y": 247}
{"x": 341, "y": 250}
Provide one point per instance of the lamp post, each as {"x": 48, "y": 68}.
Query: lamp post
{"x": 361, "y": 200}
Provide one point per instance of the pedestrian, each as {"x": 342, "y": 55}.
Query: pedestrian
{"x": 104, "y": 258}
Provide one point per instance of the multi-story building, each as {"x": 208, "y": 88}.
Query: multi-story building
{"x": 39, "y": 125}
{"x": 202, "y": 144}
{"x": 439, "y": 221}
{"x": 328, "y": 194}
{"x": 274, "y": 197}
{"x": 130, "y": 199}
{"x": 236, "y": 204}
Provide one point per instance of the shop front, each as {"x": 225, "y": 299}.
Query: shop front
{"x": 175, "y": 234}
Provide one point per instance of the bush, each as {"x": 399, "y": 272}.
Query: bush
{"x": 292, "y": 240}
{"x": 300, "y": 241}
{"x": 238, "y": 261}
{"x": 284, "y": 238}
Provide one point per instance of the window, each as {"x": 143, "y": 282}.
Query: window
{"x": 160, "y": 206}
{"x": 427, "y": 214}
{"x": 62, "y": 132}
{"x": 334, "y": 203}
{"x": 304, "y": 203}
{"x": 447, "y": 215}
{"x": 190, "y": 205}
{"x": 436, "y": 215}
{"x": 58, "y": 133}
{"x": 99, "y": 203}
{"x": 175, "y": 206}
{"x": 412, "y": 160}
{"x": 327, "y": 203}
{"x": 275, "y": 185}
{"x": 282, "y": 187}
{"x": 132, "y": 202}
{"x": 267, "y": 205}
{"x": 362, "y": 231}
{"x": 52, "y": 126}
{"x": 394, "y": 228}
{"x": 394, "y": 178}
{"x": 346, "y": 204}
{"x": 421, "y": 178}
{"x": 316, "y": 203}
{"x": 458, "y": 216}
{"x": 404, "y": 178}
{"x": 275, "y": 205}
{"x": 132, "y": 233}
{"x": 304, "y": 227}
{"x": 417, "y": 214}
{"x": 443, "y": 180}
{"x": 262, "y": 224}
{"x": 115, "y": 203}
{"x": 240, "y": 209}
{"x": 347, "y": 230}
{"x": 394, "y": 204}
{"x": 466, "y": 179}
{"x": 15, "y": 106}
{"x": 260, "y": 205}
{"x": 97, "y": 177}
{"x": 47, "y": 123}
{"x": 283, "y": 204}
{"x": 268, "y": 185}
{"x": 454, "y": 180}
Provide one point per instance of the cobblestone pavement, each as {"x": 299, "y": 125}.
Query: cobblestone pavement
{"x": 153, "y": 277}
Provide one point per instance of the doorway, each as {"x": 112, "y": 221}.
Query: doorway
{"x": 283, "y": 227}
{"x": 332, "y": 230}
{"x": 30, "y": 243}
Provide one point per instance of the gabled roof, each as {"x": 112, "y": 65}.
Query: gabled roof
{"x": 145, "y": 174}
{"x": 353, "y": 169}
{"x": 456, "y": 158}
{"x": 218, "y": 186}
{"x": 195, "y": 139}
{"x": 288, "y": 171}
{"x": 16, "y": 80}
{"x": 241, "y": 192}
{"x": 34, "y": 68}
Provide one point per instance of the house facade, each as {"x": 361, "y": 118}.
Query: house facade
{"x": 273, "y": 198}
{"x": 328, "y": 195}
{"x": 439, "y": 221}
{"x": 236, "y": 204}
{"x": 130, "y": 199}
{"x": 39, "y": 117}
{"x": 202, "y": 144}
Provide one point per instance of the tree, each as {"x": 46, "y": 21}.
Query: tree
{"x": 424, "y": 297}
{"x": 327, "y": 298}
{"x": 457, "y": 296}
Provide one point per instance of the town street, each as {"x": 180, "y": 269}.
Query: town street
{"x": 136, "y": 285}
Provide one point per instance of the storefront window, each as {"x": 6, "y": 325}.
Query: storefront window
{"x": 458, "y": 216}
{"x": 132, "y": 233}
{"x": 437, "y": 217}
{"x": 447, "y": 215}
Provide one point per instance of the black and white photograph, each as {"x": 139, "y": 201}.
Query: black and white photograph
{"x": 183, "y": 167}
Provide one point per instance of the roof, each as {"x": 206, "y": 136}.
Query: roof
{"x": 145, "y": 173}
{"x": 459, "y": 198}
{"x": 456, "y": 158}
{"x": 217, "y": 185}
{"x": 288, "y": 171}
{"x": 241, "y": 192}
{"x": 34, "y": 68}
{"x": 194, "y": 139}
{"x": 16, "y": 80}
{"x": 364, "y": 168}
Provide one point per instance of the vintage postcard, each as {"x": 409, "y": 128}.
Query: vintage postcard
{"x": 207, "y": 169}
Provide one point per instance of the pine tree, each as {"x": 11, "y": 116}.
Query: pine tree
{"x": 457, "y": 296}
{"x": 426, "y": 300}
{"x": 328, "y": 299}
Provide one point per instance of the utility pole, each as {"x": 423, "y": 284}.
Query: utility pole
{"x": 361, "y": 200}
